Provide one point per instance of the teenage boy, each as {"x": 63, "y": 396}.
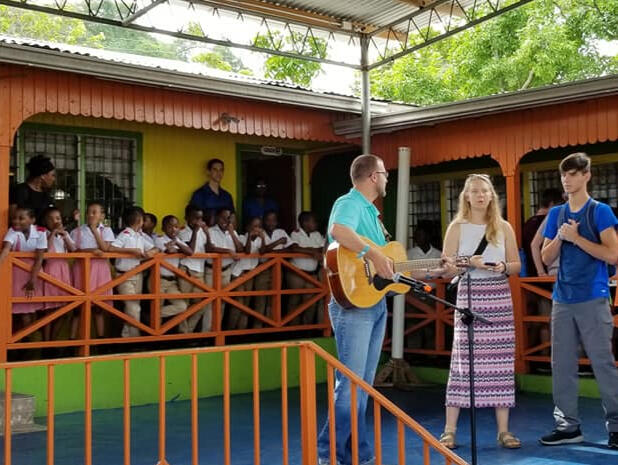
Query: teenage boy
{"x": 222, "y": 238}
{"x": 582, "y": 231}
{"x": 170, "y": 243}
{"x": 131, "y": 241}
{"x": 194, "y": 234}
{"x": 311, "y": 242}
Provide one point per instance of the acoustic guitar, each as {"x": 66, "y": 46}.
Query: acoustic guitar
{"x": 354, "y": 282}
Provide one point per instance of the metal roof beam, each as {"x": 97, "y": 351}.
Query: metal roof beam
{"x": 421, "y": 28}
{"x": 23, "y": 4}
{"x": 139, "y": 13}
{"x": 279, "y": 13}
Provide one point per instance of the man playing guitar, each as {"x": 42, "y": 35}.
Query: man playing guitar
{"x": 359, "y": 332}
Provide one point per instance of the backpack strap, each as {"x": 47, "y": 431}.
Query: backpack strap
{"x": 591, "y": 209}
{"x": 561, "y": 215}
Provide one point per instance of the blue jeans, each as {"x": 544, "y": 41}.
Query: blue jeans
{"x": 359, "y": 334}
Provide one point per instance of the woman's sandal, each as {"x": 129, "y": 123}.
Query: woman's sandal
{"x": 507, "y": 440}
{"x": 447, "y": 439}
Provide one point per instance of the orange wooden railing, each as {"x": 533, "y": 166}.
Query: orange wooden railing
{"x": 308, "y": 353}
{"x": 421, "y": 314}
{"x": 277, "y": 320}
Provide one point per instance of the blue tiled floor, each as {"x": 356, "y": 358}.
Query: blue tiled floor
{"x": 531, "y": 419}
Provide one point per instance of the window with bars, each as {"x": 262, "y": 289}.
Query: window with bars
{"x": 455, "y": 186}
{"x": 424, "y": 206}
{"x": 602, "y": 186}
{"x": 62, "y": 149}
{"x": 88, "y": 168}
{"x": 110, "y": 174}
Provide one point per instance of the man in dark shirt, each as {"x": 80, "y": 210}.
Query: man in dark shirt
{"x": 258, "y": 204}
{"x": 549, "y": 198}
{"x": 211, "y": 197}
{"x": 34, "y": 193}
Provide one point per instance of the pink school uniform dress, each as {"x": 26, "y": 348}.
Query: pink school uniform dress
{"x": 57, "y": 268}
{"x": 36, "y": 240}
{"x": 100, "y": 273}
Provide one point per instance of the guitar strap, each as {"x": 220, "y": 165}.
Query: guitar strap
{"x": 387, "y": 235}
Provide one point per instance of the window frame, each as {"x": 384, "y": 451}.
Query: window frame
{"x": 81, "y": 133}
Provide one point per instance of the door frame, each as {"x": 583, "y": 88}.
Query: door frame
{"x": 298, "y": 155}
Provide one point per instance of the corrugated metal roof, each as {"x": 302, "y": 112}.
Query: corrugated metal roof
{"x": 218, "y": 81}
{"x": 371, "y": 13}
{"x": 148, "y": 62}
{"x": 587, "y": 89}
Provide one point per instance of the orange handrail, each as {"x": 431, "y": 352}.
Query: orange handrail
{"x": 308, "y": 352}
{"x": 387, "y": 405}
{"x": 85, "y": 301}
{"x": 424, "y": 314}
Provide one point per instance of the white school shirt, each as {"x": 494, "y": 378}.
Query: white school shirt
{"x": 277, "y": 234}
{"x": 148, "y": 239}
{"x": 58, "y": 243}
{"x": 161, "y": 243}
{"x": 194, "y": 264}
{"x": 313, "y": 240}
{"x": 245, "y": 264}
{"x": 416, "y": 253}
{"x": 223, "y": 240}
{"x": 84, "y": 239}
{"x": 129, "y": 239}
{"x": 37, "y": 239}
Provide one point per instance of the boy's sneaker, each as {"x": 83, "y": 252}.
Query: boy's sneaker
{"x": 612, "y": 442}
{"x": 557, "y": 437}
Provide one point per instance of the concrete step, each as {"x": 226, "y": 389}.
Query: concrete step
{"x": 23, "y": 407}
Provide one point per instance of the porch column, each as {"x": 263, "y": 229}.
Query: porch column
{"x": 365, "y": 95}
{"x": 399, "y": 301}
{"x": 5, "y": 268}
{"x": 513, "y": 205}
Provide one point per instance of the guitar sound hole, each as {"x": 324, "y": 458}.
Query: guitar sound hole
{"x": 380, "y": 283}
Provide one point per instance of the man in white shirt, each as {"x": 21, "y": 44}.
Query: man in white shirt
{"x": 311, "y": 242}
{"x": 221, "y": 239}
{"x": 422, "y": 243}
{"x": 195, "y": 235}
{"x": 422, "y": 250}
{"x": 273, "y": 239}
{"x": 131, "y": 241}
{"x": 170, "y": 243}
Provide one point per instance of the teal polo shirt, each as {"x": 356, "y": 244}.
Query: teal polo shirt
{"x": 357, "y": 213}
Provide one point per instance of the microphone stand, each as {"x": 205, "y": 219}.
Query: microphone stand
{"x": 467, "y": 317}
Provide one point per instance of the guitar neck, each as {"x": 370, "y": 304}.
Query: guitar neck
{"x": 415, "y": 265}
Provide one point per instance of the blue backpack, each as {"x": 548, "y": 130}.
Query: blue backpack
{"x": 589, "y": 224}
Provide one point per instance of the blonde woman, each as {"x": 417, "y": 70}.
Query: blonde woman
{"x": 479, "y": 216}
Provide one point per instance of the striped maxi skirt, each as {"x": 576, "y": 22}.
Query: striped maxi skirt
{"x": 494, "y": 347}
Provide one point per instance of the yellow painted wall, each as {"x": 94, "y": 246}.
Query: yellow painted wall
{"x": 174, "y": 159}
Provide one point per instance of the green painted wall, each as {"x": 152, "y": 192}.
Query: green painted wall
{"x": 107, "y": 378}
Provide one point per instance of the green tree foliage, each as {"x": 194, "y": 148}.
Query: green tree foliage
{"x": 35, "y": 25}
{"x": 293, "y": 70}
{"x": 222, "y": 58}
{"x": 131, "y": 41}
{"x": 545, "y": 42}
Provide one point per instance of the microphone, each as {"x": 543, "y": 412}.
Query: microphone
{"x": 417, "y": 285}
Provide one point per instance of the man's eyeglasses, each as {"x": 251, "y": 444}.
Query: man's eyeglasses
{"x": 385, "y": 173}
